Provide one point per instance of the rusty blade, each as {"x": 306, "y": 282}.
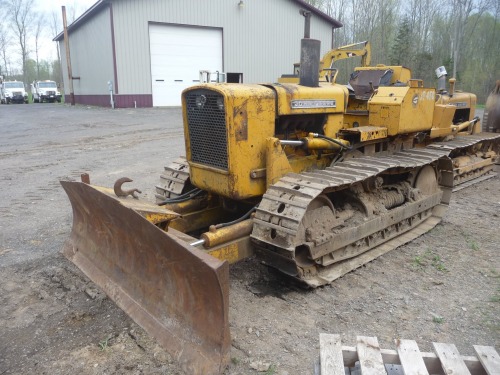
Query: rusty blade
{"x": 177, "y": 293}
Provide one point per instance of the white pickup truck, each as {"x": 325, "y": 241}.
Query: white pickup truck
{"x": 45, "y": 91}
{"x": 12, "y": 92}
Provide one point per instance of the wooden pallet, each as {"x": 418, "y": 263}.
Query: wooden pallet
{"x": 368, "y": 359}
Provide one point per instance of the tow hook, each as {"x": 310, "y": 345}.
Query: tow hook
{"x": 123, "y": 193}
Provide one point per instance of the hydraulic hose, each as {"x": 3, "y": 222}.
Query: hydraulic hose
{"x": 182, "y": 198}
{"x": 244, "y": 217}
{"x": 333, "y": 141}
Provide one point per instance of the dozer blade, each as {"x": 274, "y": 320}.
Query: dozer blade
{"x": 177, "y": 293}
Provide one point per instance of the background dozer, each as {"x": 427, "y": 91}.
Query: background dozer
{"x": 315, "y": 178}
{"x": 327, "y": 67}
{"x": 491, "y": 116}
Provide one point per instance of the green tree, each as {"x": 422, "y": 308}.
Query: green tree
{"x": 401, "y": 53}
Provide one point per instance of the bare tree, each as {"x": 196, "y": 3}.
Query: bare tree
{"x": 55, "y": 29}
{"x": 75, "y": 10}
{"x": 4, "y": 46}
{"x": 21, "y": 14}
{"x": 461, "y": 12}
{"x": 39, "y": 29}
{"x": 421, "y": 14}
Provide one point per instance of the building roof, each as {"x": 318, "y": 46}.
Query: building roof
{"x": 83, "y": 18}
{"x": 102, "y": 3}
{"x": 335, "y": 24}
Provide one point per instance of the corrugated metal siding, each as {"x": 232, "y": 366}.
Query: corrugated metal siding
{"x": 91, "y": 56}
{"x": 260, "y": 39}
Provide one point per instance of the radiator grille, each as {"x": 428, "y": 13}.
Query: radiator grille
{"x": 207, "y": 128}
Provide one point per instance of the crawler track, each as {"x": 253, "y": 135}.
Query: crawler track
{"x": 173, "y": 181}
{"x": 478, "y": 148}
{"x": 296, "y": 234}
{"x": 319, "y": 253}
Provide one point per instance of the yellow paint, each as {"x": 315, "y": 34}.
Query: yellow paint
{"x": 362, "y": 50}
{"x": 152, "y": 212}
{"x": 310, "y": 162}
{"x": 333, "y": 124}
{"x": 277, "y": 164}
{"x": 228, "y": 252}
{"x": 460, "y": 100}
{"x": 249, "y": 115}
{"x": 402, "y": 110}
{"x": 233, "y": 251}
{"x": 295, "y": 99}
{"x": 367, "y": 133}
{"x": 355, "y": 120}
{"x": 289, "y": 79}
{"x": 442, "y": 119}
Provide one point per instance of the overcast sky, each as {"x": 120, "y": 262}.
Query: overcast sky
{"x": 74, "y": 8}
{"x": 51, "y": 5}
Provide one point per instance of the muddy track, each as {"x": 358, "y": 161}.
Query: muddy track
{"x": 277, "y": 224}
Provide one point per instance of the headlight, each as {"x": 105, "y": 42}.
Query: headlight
{"x": 220, "y": 103}
{"x": 200, "y": 101}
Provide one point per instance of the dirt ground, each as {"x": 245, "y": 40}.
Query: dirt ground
{"x": 442, "y": 287}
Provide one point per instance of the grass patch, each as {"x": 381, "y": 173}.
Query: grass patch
{"x": 496, "y": 296}
{"x": 438, "y": 319}
{"x": 235, "y": 361}
{"x": 271, "y": 370}
{"x": 418, "y": 261}
{"x": 471, "y": 242}
{"x": 429, "y": 257}
{"x": 437, "y": 263}
{"x": 494, "y": 273}
{"x": 104, "y": 344}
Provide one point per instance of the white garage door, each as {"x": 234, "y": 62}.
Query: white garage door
{"x": 178, "y": 53}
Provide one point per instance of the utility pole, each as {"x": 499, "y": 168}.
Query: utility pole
{"x": 68, "y": 58}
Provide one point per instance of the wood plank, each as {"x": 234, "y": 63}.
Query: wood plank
{"x": 410, "y": 357}
{"x": 370, "y": 358}
{"x": 451, "y": 362}
{"x": 394, "y": 370}
{"x": 330, "y": 355}
{"x": 489, "y": 358}
{"x": 431, "y": 360}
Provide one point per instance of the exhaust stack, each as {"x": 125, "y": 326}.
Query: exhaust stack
{"x": 310, "y": 50}
{"x": 441, "y": 76}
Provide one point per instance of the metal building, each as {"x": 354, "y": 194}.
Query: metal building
{"x": 151, "y": 50}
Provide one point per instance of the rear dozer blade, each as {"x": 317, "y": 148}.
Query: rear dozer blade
{"x": 177, "y": 293}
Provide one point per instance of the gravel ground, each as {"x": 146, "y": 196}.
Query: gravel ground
{"x": 442, "y": 287}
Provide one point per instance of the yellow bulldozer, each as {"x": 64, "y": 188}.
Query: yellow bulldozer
{"x": 314, "y": 178}
{"x": 327, "y": 69}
